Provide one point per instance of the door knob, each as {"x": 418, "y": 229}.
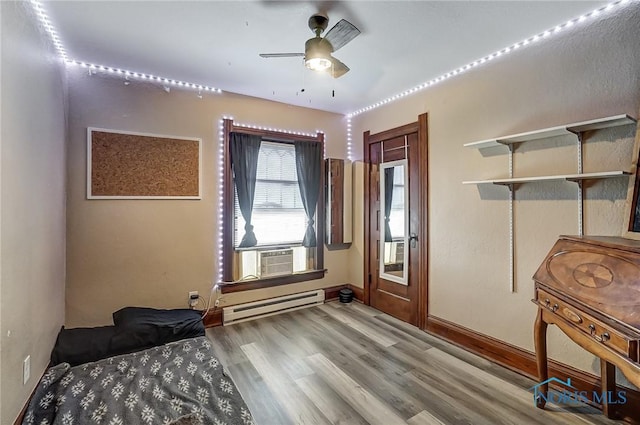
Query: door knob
{"x": 413, "y": 239}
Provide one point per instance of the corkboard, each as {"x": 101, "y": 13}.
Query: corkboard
{"x": 124, "y": 165}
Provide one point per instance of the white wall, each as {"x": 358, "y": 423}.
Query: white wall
{"x": 590, "y": 71}
{"x": 32, "y": 212}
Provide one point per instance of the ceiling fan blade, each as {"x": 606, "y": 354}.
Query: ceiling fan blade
{"x": 338, "y": 69}
{"x": 281, "y": 55}
{"x": 341, "y": 33}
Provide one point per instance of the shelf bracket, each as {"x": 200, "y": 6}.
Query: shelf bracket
{"x": 512, "y": 146}
{"x": 580, "y": 207}
{"x": 512, "y": 271}
{"x": 510, "y": 186}
{"x": 580, "y": 186}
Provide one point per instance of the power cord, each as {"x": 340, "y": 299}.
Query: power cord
{"x": 214, "y": 288}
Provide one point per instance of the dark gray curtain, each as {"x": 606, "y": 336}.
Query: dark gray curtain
{"x": 388, "y": 199}
{"x": 244, "y": 162}
{"x": 308, "y": 161}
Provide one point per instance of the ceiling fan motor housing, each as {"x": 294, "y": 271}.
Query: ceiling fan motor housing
{"x": 318, "y": 23}
{"x": 317, "y": 54}
{"x": 317, "y": 47}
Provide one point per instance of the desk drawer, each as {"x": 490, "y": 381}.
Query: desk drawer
{"x": 622, "y": 343}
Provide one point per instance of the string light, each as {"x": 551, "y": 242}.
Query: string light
{"x": 279, "y": 130}
{"x": 220, "y": 196}
{"x": 545, "y": 34}
{"x": 349, "y": 140}
{"x": 166, "y": 82}
{"x": 57, "y": 42}
{"x": 45, "y": 22}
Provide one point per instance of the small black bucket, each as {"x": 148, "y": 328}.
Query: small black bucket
{"x": 346, "y": 295}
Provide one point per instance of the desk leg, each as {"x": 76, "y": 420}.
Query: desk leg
{"x": 608, "y": 380}
{"x": 540, "y": 340}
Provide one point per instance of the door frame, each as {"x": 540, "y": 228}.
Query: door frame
{"x": 421, "y": 127}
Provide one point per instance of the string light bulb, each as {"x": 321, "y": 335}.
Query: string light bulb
{"x": 509, "y": 49}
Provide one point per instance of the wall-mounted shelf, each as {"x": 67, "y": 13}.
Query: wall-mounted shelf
{"x": 568, "y": 177}
{"x": 574, "y": 128}
{"x": 513, "y": 141}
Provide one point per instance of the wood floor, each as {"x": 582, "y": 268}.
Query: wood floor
{"x": 350, "y": 364}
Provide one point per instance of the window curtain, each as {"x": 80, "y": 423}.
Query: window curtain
{"x": 388, "y": 199}
{"x": 308, "y": 162}
{"x": 244, "y": 162}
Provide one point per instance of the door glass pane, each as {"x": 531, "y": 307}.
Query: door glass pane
{"x": 394, "y": 228}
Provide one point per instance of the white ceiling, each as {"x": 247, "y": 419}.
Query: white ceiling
{"x": 216, "y": 43}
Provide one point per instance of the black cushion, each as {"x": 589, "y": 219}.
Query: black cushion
{"x": 183, "y": 319}
{"x": 82, "y": 345}
{"x": 136, "y": 328}
{"x": 165, "y": 325}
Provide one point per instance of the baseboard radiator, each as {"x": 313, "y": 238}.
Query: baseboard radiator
{"x": 269, "y": 307}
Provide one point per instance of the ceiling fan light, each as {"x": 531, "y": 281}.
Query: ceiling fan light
{"x": 317, "y": 63}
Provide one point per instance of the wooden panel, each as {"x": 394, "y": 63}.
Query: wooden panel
{"x": 337, "y": 211}
{"x": 228, "y": 288}
{"x": 358, "y": 293}
{"x": 603, "y": 278}
{"x": 265, "y": 406}
{"x": 371, "y": 212}
{"x": 132, "y": 165}
{"x": 626, "y": 345}
{"x": 290, "y": 397}
{"x": 524, "y": 362}
{"x": 213, "y": 318}
{"x": 423, "y": 241}
{"x": 355, "y": 379}
{"x": 368, "y": 331}
{"x": 333, "y": 293}
{"x": 410, "y": 142}
{"x": 395, "y": 132}
{"x": 367, "y": 405}
{"x": 424, "y": 418}
{"x": 330, "y": 404}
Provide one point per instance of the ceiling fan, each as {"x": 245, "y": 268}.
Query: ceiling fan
{"x": 318, "y": 50}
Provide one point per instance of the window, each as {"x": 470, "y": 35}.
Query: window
{"x": 278, "y": 215}
{"x": 276, "y": 201}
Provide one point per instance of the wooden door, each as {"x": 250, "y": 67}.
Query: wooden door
{"x": 405, "y": 300}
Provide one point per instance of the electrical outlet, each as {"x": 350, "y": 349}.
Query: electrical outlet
{"x": 26, "y": 369}
{"x": 193, "y": 298}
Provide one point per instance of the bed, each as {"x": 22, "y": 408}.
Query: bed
{"x": 179, "y": 383}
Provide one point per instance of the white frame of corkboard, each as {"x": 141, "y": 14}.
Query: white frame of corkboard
{"x": 632, "y": 203}
{"x": 90, "y": 194}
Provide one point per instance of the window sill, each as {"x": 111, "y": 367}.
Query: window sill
{"x": 248, "y": 285}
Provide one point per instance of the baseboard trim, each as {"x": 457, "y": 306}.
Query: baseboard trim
{"x": 23, "y": 412}
{"x": 358, "y": 293}
{"x": 213, "y": 318}
{"x": 333, "y": 293}
{"x": 524, "y": 363}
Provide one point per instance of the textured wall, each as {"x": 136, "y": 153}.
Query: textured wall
{"x": 591, "y": 71}
{"x": 152, "y": 252}
{"x": 32, "y": 203}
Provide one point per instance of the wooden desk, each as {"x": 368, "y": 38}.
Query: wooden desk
{"x": 590, "y": 288}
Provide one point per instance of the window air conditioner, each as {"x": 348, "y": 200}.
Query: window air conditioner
{"x": 276, "y": 263}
